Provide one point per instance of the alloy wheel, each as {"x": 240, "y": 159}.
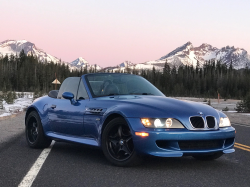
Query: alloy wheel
{"x": 119, "y": 142}
{"x": 32, "y": 130}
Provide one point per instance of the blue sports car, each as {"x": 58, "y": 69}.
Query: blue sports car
{"x": 127, "y": 117}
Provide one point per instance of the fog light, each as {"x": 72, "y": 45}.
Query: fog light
{"x": 143, "y": 134}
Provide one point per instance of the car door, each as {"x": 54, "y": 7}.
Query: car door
{"x": 66, "y": 117}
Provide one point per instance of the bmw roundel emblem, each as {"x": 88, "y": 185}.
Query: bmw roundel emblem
{"x": 200, "y": 113}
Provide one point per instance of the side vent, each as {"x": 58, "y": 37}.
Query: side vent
{"x": 95, "y": 110}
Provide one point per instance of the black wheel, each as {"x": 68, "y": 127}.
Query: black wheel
{"x": 208, "y": 157}
{"x": 34, "y": 132}
{"x": 117, "y": 144}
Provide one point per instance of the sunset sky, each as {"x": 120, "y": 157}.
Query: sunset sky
{"x": 108, "y": 32}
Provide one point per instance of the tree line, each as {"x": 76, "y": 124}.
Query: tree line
{"x": 26, "y": 73}
{"x": 208, "y": 81}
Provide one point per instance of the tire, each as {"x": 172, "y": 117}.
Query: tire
{"x": 35, "y": 136}
{"x": 117, "y": 144}
{"x": 209, "y": 157}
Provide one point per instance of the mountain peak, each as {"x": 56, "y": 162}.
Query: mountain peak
{"x": 186, "y": 47}
{"x": 80, "y": 58}
{"x": 79, "y": 62}
{"x": 126, "y": 64}
{"x": 18, "y": 42}
{"x": 82, "y": 63}
{"x": 205, "y": 47}
{"x": 9, "y": 47}
{"x": 205, "y": 44}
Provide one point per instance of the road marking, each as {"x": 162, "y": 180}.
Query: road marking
{"x": 241, "y": 146}
{"x": 31, "y": 175}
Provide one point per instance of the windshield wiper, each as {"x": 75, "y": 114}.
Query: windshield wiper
{"x": 141, "y": 94}
{"x": 109, "y": 95}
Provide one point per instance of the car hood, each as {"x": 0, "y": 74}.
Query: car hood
{"x": 161, "y": 107}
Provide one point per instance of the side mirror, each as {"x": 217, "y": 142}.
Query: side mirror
{"x": 68, "y": 95}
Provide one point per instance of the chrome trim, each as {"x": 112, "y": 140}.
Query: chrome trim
{"x": 216, "y": 126}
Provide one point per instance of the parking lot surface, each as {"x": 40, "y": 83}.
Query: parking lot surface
{"x": 78, "y": 165}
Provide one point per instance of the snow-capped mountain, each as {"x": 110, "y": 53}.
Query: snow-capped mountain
{"x": 120, "y": 67}
{"x": 82, "y": 63}
{"x": 15, "y": 46}
{"x": 189, "y": 55}
{"x": 79, "y": 62}
{"x": 126, "y": 64}
{"x": 186, "y": 54}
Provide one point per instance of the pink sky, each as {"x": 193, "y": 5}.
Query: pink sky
{"x": 111, "y": 31}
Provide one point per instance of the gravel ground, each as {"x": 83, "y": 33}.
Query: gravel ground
{"x": 11, "y": 127}
{"x": 242, "y": 118}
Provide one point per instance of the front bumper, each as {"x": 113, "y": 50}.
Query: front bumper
{"x": 180, "y": 142}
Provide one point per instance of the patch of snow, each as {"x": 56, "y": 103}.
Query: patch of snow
{"x": 192, "y": 58}
{"x": 19, "y": 105}
{"x": 5, "y": 114}
{"x": 209, "y": 55}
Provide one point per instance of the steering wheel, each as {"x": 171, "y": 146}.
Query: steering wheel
{"x": 135, "y": 90}
{"x": 104, "y": 84}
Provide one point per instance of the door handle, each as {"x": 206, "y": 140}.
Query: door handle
{"x": 53, "y": 106}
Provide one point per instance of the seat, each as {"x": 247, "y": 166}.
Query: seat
{"x": 53, "y": 93}
{"x": 132, "y": 87}
{"x": 111, "y": 89}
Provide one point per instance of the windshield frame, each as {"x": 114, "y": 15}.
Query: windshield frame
{"x": 106, "y": 74}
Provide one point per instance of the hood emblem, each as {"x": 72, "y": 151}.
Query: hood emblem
{"x": 200, "y": 113}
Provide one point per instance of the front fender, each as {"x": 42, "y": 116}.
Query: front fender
{"x": 40, "y": 106}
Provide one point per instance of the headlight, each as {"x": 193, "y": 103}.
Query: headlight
{"x": 161, "y": 123}
{"x": 224, "y": 122}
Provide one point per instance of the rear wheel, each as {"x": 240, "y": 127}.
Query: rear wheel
{"x": 208, "y": 157}
{"x": 35, "y": 136}
{"x": 117, "y": 144}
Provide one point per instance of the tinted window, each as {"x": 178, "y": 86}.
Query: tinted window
{"x": 69, "y": 85}
{"x": 105, "y": 84}
{"x": 82, "y": 93}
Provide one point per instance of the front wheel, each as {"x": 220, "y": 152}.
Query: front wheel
{"x": 208, "y": 157}
{"x": 34, "y": 132}
{"x": 117, "y": 144}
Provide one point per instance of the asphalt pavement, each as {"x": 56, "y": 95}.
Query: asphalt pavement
{"x": 78, "y": 165}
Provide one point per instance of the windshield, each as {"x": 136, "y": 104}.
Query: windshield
{"x": 108, "y": 84}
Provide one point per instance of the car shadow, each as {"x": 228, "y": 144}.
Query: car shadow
{"x": 73, "y": 164}
{"x": 95, "y": 155}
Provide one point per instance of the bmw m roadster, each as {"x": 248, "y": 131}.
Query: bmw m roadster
{"x": 127, "y": 117}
